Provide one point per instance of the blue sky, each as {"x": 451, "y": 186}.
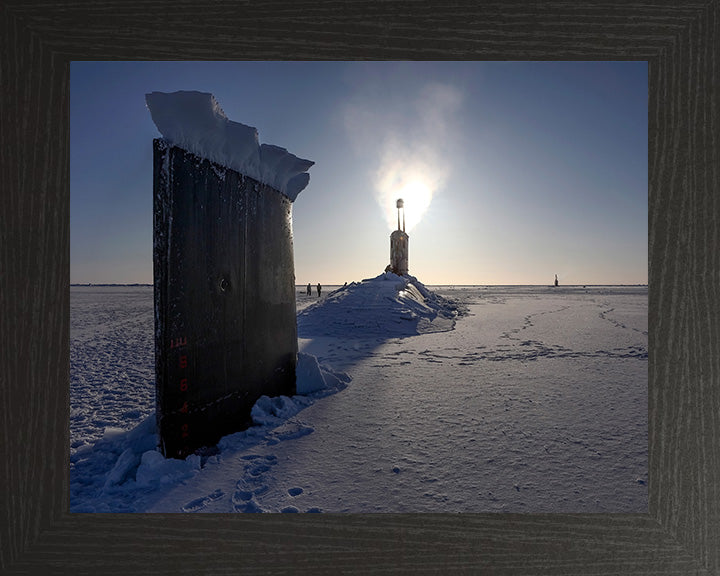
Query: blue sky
{"x": 511, "y": 172}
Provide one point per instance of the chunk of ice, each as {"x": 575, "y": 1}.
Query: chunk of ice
{"x": 195, "y": 122}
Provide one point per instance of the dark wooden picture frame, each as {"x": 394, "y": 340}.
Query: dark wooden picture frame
{"x": 680, "y": 534}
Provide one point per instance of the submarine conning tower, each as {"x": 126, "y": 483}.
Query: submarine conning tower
{"x": 399, "y": 244}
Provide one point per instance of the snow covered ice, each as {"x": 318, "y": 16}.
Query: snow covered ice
{"x": 195, "y": 122}
{"x": 450, "y": 399}
{"x": 388, "y": 305}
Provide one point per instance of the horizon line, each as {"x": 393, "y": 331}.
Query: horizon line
{"x": 339, "y": 284}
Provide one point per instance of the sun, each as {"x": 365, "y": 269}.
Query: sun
{"x": 417, "y": 196}
{"x": 414, "y": 187}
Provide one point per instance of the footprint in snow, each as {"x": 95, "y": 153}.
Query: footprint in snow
{"x": 200, "y": 503}
{"x": 250, "y": 507}
{"x": 257, "y": 469}
{"x": 243, "y": 500}
{"x": 290, "y": 431}
{"x": 252, "y": 484}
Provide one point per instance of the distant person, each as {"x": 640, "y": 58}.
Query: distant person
{"x": 319, "y": 288}
{"x": 309, "y": 290}
{"x": 556, "y": 282}
{"x": 345, "y": 285}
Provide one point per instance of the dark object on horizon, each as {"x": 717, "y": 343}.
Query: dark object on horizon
{"x": 224, "y": 286}
{"x": 319, "y": 288}
{"x": 309, "y": 290}
{"x": 399, "y": 245}
{"x": 556, "y": 281}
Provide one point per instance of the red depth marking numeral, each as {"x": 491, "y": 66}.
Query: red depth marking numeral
{"x": 183, "y": 364}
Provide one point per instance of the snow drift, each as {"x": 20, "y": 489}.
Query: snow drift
{"x": 388, "y": 305}
{"x": 195, "y": 122}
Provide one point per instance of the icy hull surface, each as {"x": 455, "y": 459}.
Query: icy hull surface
{"x": 225, "y": 327}
{"x": 536, "y": 401}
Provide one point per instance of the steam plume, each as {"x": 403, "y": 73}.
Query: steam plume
{"x": 414, "y": 156}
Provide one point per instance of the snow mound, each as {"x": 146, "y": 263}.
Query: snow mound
{"x": 156, "y": 470}
{"x": 195, "y": 122}
{"x": 388, "y": 305}
{"x": 312, "y": 381}
{"x": 316, "y": 380}
{"x": 269, "y": 411}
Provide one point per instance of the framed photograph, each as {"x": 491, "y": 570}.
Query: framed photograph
{"x": 670, "y": 530}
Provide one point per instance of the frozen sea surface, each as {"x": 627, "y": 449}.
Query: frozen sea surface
{"x": 490, "y": 399}
{"x": 112, "y": 359}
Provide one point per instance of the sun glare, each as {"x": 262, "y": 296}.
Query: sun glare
{"x": 417, "y": 197}
{"x": 416, "y": 191}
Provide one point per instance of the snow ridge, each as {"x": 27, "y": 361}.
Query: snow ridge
{"x": 389, "y": 305}
{"x": 195, "y": 122}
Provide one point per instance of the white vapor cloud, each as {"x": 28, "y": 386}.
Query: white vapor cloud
{"x": 410, "y": 145}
